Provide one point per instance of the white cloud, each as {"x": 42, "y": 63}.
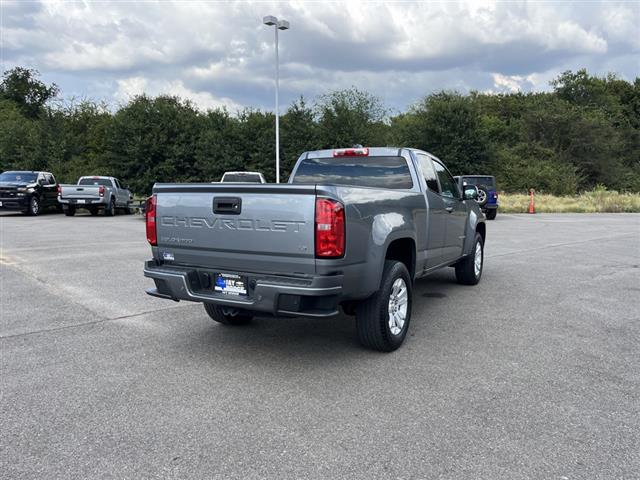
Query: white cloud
{"x": 220, "y": 53}
{"x": 130, "y": 87}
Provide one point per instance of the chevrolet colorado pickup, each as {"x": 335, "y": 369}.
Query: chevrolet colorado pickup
{"x": 353, "y": 228}
{"x": 29, "y": 192}
{"x": 94, "y": 194}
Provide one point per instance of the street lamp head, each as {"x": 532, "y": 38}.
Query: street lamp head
{"x": 270, "y": 20}
{"x": 283, "y": 25}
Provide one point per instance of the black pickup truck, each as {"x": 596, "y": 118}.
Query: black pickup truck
{"x": 28, "y": 191}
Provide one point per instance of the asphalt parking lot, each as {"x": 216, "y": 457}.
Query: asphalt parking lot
{"x": 534, "y": 373}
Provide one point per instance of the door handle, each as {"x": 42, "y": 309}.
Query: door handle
{"x": 449, "y": 209}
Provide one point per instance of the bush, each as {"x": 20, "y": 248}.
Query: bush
{"x": 524, "y": 167}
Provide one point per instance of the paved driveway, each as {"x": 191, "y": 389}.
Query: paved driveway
{"x": 534, "y": 373}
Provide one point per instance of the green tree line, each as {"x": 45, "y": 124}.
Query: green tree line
{"x": 583, "y": 133}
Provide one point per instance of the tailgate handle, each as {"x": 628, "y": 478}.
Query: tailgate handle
{"x": 227, "y": 205}
{"x": 79, "y": 189}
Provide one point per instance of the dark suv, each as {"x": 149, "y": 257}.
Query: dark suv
{"x": 28, "y": 191}
{"x": 487, "y": 193}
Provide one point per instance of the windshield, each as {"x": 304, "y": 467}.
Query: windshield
{"x": 22, "y": 177}
{"x": 480, "y": 181}
{"x": 241, "y": 178}
{"x": 376, "y": 172}
{"x": 95, "y": 181}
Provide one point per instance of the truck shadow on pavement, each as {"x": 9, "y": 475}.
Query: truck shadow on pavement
{"x": 274, "y": 340}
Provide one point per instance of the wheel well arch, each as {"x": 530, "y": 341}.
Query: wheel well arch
{"x": 403, "y": 250}
{"x": 481, "y": 228}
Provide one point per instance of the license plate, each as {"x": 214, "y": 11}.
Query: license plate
{"x": 230, "y": 284}
{"x": 80, "y": 201}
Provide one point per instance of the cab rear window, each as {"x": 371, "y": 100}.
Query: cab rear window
{"x": 95, "y": 181}
{"x": 376, "y": 172}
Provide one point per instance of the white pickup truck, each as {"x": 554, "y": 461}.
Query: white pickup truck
{"x": 94, "y": 194}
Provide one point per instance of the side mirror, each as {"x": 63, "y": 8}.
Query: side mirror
{"x": 470, "y": 192}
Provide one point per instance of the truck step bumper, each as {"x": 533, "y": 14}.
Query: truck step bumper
{"x": 309, "y": 296}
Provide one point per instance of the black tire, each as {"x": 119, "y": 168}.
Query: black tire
{"x": 110, "y": 211}
{"x": 127, "y": 210}
{"x": 483, "y": 196}
{"x": 491, "y": 213}
{"x": 217, "y": 313}
{"x": 465, "y": 268}
{"x": 372, "y": 314}
{"x": 34, "y": 206}
{"x": 69, "y": 210}
{"x": 93, "y": 211}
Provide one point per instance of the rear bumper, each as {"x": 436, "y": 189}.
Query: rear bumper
{"x": 14, "y": 203}
{"x": 490, "y": 206}
{"x": 82, "y": 202}
{"x": 308, "y": 296}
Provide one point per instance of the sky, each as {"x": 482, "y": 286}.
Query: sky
{"x": 219, "y": 54}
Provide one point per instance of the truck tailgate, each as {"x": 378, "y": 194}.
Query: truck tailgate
{"x": 79, "y": 191}
{"x": 237, "y": 228}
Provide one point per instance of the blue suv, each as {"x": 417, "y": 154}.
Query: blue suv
{"x": 487, "y": 192}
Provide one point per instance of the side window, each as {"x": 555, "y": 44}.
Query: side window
{"x": 449, "y": 187}
{"x": 426, "y": 167}
{"x": 50, "y": 179}
{"x": 115, "y": 180}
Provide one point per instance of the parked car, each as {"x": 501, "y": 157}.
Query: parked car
{"x": 353, "y": 228}
{"x": 487, "y": 193}
{"x": 28, "y": 191}
{"x": 243, "y": 177}
{"x": 95, "y": 194}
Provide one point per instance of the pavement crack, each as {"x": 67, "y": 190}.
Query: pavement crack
{"x": 84, "y": 324}
{"x": 563, "y": 244}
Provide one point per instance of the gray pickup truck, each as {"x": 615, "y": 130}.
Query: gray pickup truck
{"x": 354, "y": 227}
{"x": 95, "y": 194}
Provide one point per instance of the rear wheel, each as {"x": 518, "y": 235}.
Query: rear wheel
{"x": 69, "y": 210}
{"x": 383, "y": 319}
{"x": 34, "y": 206}
{"x": 110, "y": 210}
{"x": 227, "y": 316}
{"x": 491, "y": 214}
{"x": 469, "y": 269}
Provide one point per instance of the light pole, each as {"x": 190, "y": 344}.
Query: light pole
{"x": 280, "y": 25}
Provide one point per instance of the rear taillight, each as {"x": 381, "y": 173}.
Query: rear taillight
{"x": 101, "y": 190}
{"x": 351, "y": 152}
{"x": 329, "y": 228}
{"x": 150, "y": 215}
{"x": 59, "y": 190}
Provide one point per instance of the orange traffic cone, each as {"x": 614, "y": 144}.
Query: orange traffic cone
{"x": 532, "y": 207}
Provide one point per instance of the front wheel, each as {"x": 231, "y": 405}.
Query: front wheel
{"x": 469, "y": 269}
{"x": 225, "y": 316}
{"x": 491, "y": 214}
{"x": 383, "y": 319}
{"x": 34, "y": 206}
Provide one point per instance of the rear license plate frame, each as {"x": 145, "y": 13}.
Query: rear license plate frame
{"x": 230, "y": 284}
